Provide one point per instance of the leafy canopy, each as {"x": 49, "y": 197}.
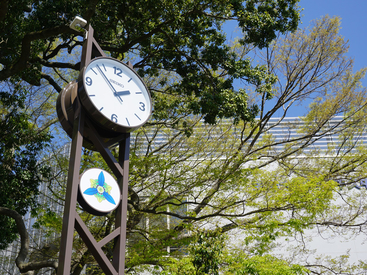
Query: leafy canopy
{"x": 21, "y": 169}
{"x": 182, "y": 38}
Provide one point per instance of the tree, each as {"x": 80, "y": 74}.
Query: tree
{"x": 181, "y": 39}
{"x": 21, "y": 169}
{"x": 184, "y": 38}
{"x": 237, "y": 176}
{"x": 242, "y": 178}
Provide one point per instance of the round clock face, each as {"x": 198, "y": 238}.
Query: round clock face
{"x": 114, "y": 95}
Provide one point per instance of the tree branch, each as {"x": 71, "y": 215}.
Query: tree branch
{"x": 20, "y": 261}
{"x": 52, "y": 82}
{"x": 21, "y": 64}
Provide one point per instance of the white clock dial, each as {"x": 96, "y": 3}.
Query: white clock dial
{"x": 116, "y": 92}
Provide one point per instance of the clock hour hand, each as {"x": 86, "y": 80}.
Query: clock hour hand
{"x": 109, "y": 83}
{"x": 123, "y": 93}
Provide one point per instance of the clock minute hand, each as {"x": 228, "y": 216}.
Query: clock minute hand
{"x": 109, "y": 83}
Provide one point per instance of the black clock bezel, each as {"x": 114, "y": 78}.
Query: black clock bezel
{"x": 94, "y": 113}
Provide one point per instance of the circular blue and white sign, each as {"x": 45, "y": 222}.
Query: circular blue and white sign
{"x": 99, "y": 193}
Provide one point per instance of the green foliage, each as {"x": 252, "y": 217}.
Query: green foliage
{"x": 181, "y": 38}
{"x": 182, "y": 266}
{"x": 261, "y": 265}
{"x": 192, "y": 169}
{"x": 208, "y": 256}
{"x": 207, "y": 252}
{"x": 48, "y": 221}
{"x": 21, "y": 169}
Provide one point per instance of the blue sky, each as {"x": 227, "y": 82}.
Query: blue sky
{"x": 353, "y": 14}
{"x": 353, "y": 27}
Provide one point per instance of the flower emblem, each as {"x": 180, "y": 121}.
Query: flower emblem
{"x": 100, "y": 189}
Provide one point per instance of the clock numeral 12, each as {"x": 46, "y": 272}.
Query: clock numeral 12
{"x": 118, "y": 71}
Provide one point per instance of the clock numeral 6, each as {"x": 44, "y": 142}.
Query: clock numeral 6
{"x": 142, "y": 106}
{"x": 114, "y": 118}
{"x": 88, "y": 81}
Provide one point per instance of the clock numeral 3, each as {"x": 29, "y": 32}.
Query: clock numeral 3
{"x": 114, "y": 118}
{"x": 142, "y": 106}
{"x": 88, "y": 81}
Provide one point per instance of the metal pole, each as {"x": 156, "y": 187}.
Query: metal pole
{"x": 66, "y": 245}
{"x": 121, "y": 213}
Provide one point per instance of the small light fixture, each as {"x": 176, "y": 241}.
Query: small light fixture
{"x": 78, "y": 24}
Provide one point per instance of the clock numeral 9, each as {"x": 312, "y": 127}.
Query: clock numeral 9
{"x": 142, "y": 106}
{"x": 88, "y": 81}
{"x": 114, "y": 118}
